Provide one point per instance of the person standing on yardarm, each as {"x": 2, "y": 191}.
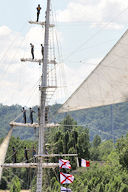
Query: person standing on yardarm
{"x": 24, "y": 114}
{"x": 31, "y": 115}
{"x": 32, "y": 50}
{"x": 38, "y": 12}
{"x": 42, "y": 50}
{"x": 26, "y": 154}
{"x": 14, "y": 155}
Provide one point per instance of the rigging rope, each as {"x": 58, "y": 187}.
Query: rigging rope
{"x": 95, "y": 34}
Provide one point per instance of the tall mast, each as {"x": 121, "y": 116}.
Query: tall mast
{"x": 43, "y": 96}
{"x": 43, "y": 99}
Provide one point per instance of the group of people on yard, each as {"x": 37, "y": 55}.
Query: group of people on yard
{"x": 26, "y": 151}
{"x": 31, "y": 111}
{"x": 32, "y": 46}
{"x": 26, "y": 156}
{"x": 31, "y": 114}
{"x": 32, "y": 50}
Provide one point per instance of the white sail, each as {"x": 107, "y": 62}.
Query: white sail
{"x": 107, "y": 84}
{"x": 3, "y": 149}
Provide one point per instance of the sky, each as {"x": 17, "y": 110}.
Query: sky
{"x": 85, "y": 30}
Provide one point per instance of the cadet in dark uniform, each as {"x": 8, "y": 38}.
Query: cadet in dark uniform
{"x": 38, "y": 115}
{"x": 24, "y": 114}
{"x": 26, "y": 154}
{"x": 14, "y": 155}
{"x": 79, "y": 160}
{"x": 42, "y": 50}
{"x": 38, "y": 12}
{"x": 32, "y": 50}
{"x": 31, "y": 115}
{"x": 46, "y": 114}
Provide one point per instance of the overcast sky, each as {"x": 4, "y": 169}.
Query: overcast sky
{"x": 86, "y": 31}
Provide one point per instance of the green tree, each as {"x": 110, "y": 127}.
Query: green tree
{"x": 95, "y": 148}
{"x": 96, "y": 141}
{"x": 105, "y": 149}
{"x": 83, "y": 145}
{"x": 15, "y": 185}
{"x": 123, "y": 158}
{"x": 68, "y": 123}
{"x": 122, "y": 149}
{"x": 65, "y": 141}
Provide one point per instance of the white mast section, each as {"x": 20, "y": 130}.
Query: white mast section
{"x": 43, "y": 99}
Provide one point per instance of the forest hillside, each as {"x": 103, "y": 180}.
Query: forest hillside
{"x": 108, "y": 171}
{"x": 110, "y": 122}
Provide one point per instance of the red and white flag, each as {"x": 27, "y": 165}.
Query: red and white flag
{"x": 66, "y": 178}
{"x": 85, "y": 163}
{"x": 65, "y": 189}
{"x": 64, "y": 164}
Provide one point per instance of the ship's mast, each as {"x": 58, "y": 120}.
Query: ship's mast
{"x": 43, "y": 99}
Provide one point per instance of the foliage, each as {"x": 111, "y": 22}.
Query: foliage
{"x": 98, "y": 120}
{"x": 122, "y": 148}
{"x": 25, "y": 175}
{"x": 96, "y": 141}
{"x": 105, "y": 148}
{"x": 108, "y": 171}
{"x": 15, "y": 185}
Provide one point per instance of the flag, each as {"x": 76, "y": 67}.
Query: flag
{"x": 64, "y": 164}
{"x": 85, "y": 163}
{"x": 63, "y": 189}
{"x": 66, "y": 178}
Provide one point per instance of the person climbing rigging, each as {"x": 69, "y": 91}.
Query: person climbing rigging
{"x": 42, "y": 50}
{"x": 14, "y": 155}
{"x": 24, "y": 114}
{"x": 32, "y": 50}
{"x": 31, "y": 115}
{"x": 26, "y": 154}
{"x": 38, "y": 12}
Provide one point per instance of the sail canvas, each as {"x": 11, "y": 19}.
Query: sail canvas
{"x": 107, "y": 84}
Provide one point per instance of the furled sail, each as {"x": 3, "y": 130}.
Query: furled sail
{"x": 3, "y": 150}
{"x": 107, "y": 84}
